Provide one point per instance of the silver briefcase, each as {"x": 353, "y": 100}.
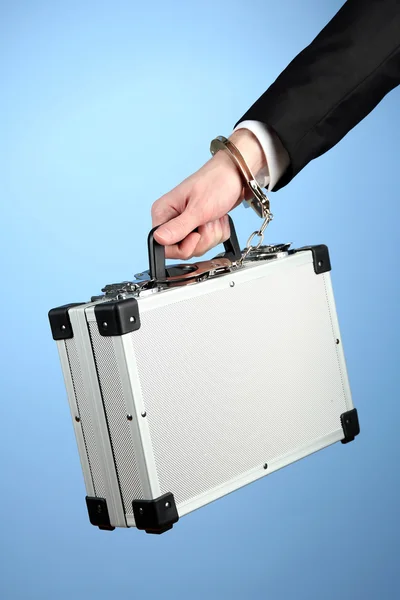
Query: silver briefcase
{"x": 172, "y": 408}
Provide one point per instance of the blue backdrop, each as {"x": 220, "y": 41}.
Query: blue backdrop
{"x": 104, "y": 106}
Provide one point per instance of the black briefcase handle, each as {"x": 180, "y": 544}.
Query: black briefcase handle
{"x": 157, "y": 268}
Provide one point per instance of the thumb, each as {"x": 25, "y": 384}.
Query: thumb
{"x": 177, "y": 229}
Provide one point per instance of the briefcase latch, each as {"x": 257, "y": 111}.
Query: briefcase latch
{"x": 193, "y": 273}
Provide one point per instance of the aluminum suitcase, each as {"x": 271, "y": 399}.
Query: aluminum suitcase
{"x": 171, "y": 404}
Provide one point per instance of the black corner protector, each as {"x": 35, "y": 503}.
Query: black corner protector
{"x": 60, "y": 322}
{"x": 321, "y": 259}
{"x": 155, "y": 516}
{"x": 117, "y": 317}
{"x": 98, "y": 513}
{"x": 350, "y": 425}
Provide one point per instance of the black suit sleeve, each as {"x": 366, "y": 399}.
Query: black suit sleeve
{"x": 334, "y": 82}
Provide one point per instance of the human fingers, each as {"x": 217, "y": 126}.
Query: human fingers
{"x": 176, "y": 229}
{"x": 169, "y": 206}
{"x": 204, "y": 239}
{"x": 185, "y": 249}
{"x": 212, "y": 234}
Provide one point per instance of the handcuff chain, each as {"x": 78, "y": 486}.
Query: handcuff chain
{"x": 268, "y": 216}
{"x": 259, "y": 202}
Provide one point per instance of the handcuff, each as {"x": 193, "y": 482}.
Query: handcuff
{"x": 259, "y": 201}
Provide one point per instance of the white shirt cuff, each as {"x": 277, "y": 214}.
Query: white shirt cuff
{"x": 275, "y": 154}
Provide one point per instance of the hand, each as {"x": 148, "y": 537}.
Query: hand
{"x": 203, "y": 200}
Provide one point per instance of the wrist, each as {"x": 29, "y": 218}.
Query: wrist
{"x": 250, "y": 148}
{"x": 229, "y": 173}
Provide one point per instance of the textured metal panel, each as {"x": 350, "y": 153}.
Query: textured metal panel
{"x": 116, "y": 413}
{"x": 238, "y": 377}
{"x": 86, "y": 419}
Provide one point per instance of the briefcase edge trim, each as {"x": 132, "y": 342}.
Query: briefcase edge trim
{"x": 129, "y": 380}
{"x": 75, "y": 415}
{"x": 103, "y": 445}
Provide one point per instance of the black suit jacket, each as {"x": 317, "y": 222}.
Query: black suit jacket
{"x": 334, "y": 82}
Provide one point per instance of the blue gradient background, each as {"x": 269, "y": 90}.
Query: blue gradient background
{"x": 104, "y": 106}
